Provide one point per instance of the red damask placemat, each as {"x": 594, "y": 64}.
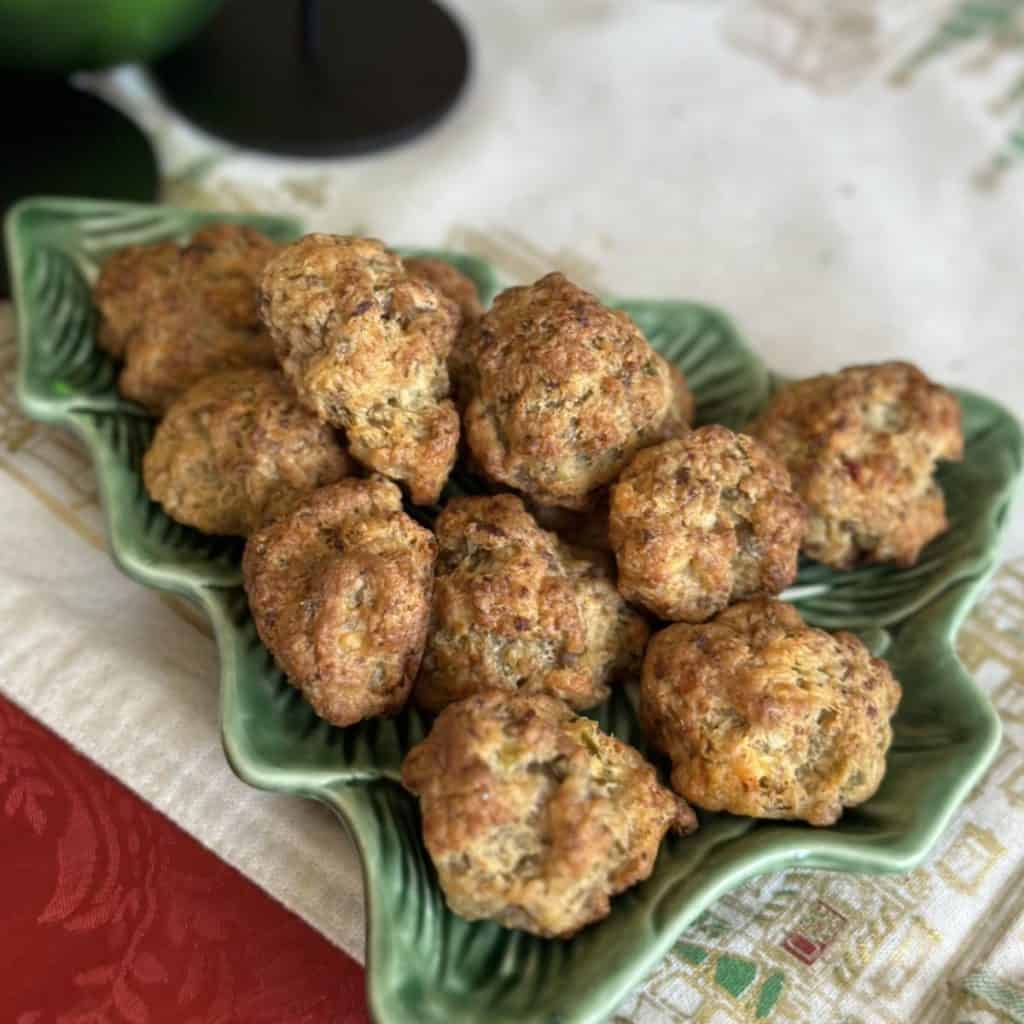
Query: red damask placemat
{"x": 110, "y": 914}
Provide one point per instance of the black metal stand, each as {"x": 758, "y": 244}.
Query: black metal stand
{"x": 58, "y": 140}
{"x": 318, "y": 77}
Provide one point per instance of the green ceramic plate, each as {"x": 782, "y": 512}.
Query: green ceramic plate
{"x": 424, "y": 964}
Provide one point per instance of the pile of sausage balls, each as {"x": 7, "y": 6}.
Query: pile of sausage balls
{"x": 308, "y": 393}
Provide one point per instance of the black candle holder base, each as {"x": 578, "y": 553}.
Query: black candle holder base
{"x": 61, "y": 141}
{"x": 318, "y": 78}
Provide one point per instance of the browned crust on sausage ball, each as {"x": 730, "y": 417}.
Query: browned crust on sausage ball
{"x": 515, "y": 609}
{"x": 237, "y": 451}
{"x": 203, "y": 321}
{"x": 682, "y": 406}
{"x": 129, "y": 285}
{"x": 454, "y": 285}
{"x": 366, "y": 347}
{"x": 451, "y": 282}
{"x": 585, "y": 527}
{"x": 533, "y": 816}
{"x": 563, "y": 391}
{"x": 861, "y": 447}
{"x": 340, "y": 594}
{"x": 765, "y": 716}
{"x": 702, "y": 521}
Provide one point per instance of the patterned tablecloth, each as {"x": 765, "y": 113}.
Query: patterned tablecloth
{"x": 845, "y": 177}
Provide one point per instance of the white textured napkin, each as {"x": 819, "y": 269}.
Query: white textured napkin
{"x": 838, "y": 175}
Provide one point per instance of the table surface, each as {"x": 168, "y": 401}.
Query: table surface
{"x": 844, "y": 177}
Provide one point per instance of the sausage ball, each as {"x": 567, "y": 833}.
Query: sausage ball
{"x": 533, "y": 816}
{"x": 130, "y": 283}
{"x": 203, "y": 320}
{"x": 454, "y": 285}
{"x": 237, "y": 451}
{"x": 563, "y": 391}
{"x": 517, "y": 610}
{"x": 764, "y": 716}
{"x": 340, "y": 594}
{"x": 451, "y": 282}
{"x": 861, "y": 446}
{"x": 366, "y": 347}
{"x": 585, "y": 527}
{"x": 702, "y": 521}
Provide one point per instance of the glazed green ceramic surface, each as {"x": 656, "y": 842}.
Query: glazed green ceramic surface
{"x": 425, "y": 964}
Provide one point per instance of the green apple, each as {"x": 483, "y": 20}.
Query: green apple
{"x": 68, "y": 35}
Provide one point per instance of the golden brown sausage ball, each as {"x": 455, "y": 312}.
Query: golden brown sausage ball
{"x": 129, "y": 285}
{"x": 366, "y": 347}
{"x": 764, "y": 716}
{"x": 454, "y": 285}
{"x": 515, "y": 609}
{"x": 237, "y": 451}
{"x": 532, "y": 815}
{"x": 563, "y": 391}
{"x": 585, "y": 527}
{"x": 340, "y": 594}
{"x": 225, "y": 262}
{"x": 861, "y": 447}
{"x": 451, "y": 282}
{"x": 702, "y": 521}
{"x": 203, "y": 321}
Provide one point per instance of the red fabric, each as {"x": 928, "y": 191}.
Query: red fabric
{"x": 110, "y": 914}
